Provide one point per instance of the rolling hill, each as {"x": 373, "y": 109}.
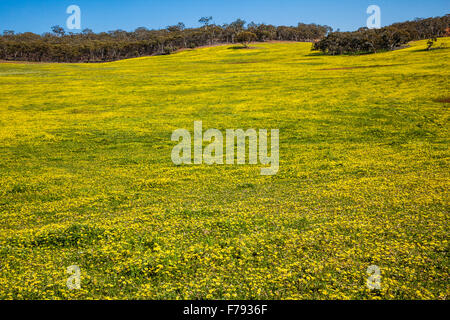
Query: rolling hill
{"x": 87, "y": 179}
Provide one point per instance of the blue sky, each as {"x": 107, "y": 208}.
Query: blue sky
{"x": 103, "y": 15}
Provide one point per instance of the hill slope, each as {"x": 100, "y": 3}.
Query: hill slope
{"x": 87, "y": 177}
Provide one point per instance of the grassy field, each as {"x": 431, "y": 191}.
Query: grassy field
{"x": 87, "y": 179}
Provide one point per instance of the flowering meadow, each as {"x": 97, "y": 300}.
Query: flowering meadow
{"x": 86, "y": 176}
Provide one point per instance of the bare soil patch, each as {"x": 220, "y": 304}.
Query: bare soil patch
{"x": 201, "y": 47}
{"x": 443, "y": 100}
{"x": 20, "y": 62}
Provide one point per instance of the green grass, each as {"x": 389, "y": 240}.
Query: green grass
{"x": 86, "y": 176}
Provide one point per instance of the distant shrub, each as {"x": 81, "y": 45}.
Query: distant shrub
{"x": 245, "y": 37}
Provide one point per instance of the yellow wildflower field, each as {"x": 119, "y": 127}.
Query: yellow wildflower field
{"x": 87, "y": 179}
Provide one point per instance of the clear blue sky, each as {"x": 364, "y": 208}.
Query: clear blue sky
{"x": 104, "y": 15}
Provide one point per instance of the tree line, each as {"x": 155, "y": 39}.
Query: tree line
{"x": 87, "y": 46}
{"x": 385, "y": 39}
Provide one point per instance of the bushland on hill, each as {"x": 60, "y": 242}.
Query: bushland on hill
{"x": 385, "y": 39}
